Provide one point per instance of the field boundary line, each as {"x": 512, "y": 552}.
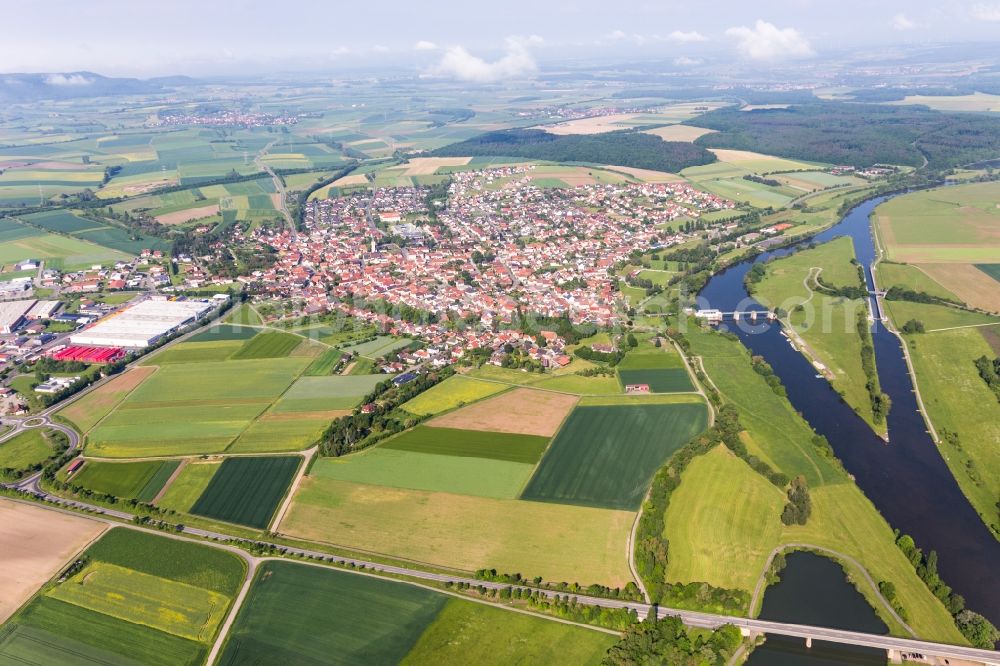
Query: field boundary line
{"x": 114, "y": 407}
{"x": 292, "y": 487}
{"x": 955, "y": 328}
{"x": 794, "y": 545}
{"x": 173, "y": 477}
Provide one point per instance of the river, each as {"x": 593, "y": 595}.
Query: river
{"x": 906, "y": 479}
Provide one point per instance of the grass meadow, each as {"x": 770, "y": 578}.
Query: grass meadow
{"x": 556, "y": 541}
{"x": 958, "y": 400}
{"x": 25, "y": 449}
{"x": 828, "y": 324}
{"x": 393, "y": 468}
{"x": 842, "y": 517}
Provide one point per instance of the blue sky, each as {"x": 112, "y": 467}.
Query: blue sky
{"x": 471, "y": 40}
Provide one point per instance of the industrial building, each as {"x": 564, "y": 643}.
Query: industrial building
{"x": 141, "y": 325}
{"x": 12, "y": 314}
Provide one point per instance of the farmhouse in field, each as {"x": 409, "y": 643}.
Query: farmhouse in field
{"x": 637, "y": 388}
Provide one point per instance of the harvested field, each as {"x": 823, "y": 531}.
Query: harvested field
{"x": 606, "y": 456}
{"x": 425, "y": 166}
{"x": 971, "y": 284}
{"x": 648, "y": 175}
{"x": 91, "y": 408}
{"x": 759, "y": 162}
{"x": 522, "y": 410}
{"x": 679, "y": 132}
{"x": 470, "y": 443}
{"x": 246, "y": 491}
{"x": 351, "y": 179}
{"x": 188, "y": 214}
{"x": 37, "y": 543}
{"x": 556, "y": 541}
{"x": 595, "y": 125}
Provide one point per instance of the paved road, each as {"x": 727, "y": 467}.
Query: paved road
{"x": 690, "y": 618}
{"x": 279, "y": 186}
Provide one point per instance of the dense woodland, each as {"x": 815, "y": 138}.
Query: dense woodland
{"x": 625, "y": 148}
{"x": 856, "y": 134}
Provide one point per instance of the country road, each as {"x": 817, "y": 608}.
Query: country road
{"x": 690, "y": 618}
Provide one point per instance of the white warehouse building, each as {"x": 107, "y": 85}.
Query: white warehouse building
{"x": 141, "y": 325}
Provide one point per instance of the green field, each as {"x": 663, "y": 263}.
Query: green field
{"x": 25, "y": 449}
{"x": 935, "y": 316}
{"x": 722, "y": 522}
{"x": 247, "y": 491}
{"x": 19, "y": 242}
{"x": 313, "y": 394}
{"x": 127, "y": 480}
{"x": 993, "y": 270}
{"x": 188, "y": 486}
{"x": 451, "y": 393}
{"x": 244, "y": 314}
{"x": 470, "y": 443}
{"x": 461, "y": 475}
{"x": 378, "y": 347}
{"x": 955, "y": 223}
{"x": 278, "y": 621}
{"x": 324, "y": 364}
{"x": 660, "y": 380}
{"x": 224, "y": 332}
{"x": 142, "y": 598}
{"x": 275, "y": 433}
{"x": 580, "y": 385}
{"x": 605, "y": 456}
{"x": 403, "y": 624}
{"x": 958, "y": 400}
{"x": 189, "y": 408}
{"x": 272, "y": 344}
{"x": 828, "y": 324}
{"x": 196, "y": 352}
{"x": 471, "y": 633}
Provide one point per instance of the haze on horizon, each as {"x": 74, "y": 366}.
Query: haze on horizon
{"x": 505, "y": 40}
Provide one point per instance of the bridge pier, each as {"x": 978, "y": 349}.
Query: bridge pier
{"x": 809, "y": 641}
{"x": 894, "y": 656}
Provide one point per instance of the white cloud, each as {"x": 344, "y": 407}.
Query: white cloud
{"x": 902, "y": 22}
{"x": 379, "y": 48}
{"x": 517, "y": 61}
{"x": 616, "y": 36}
{"x": 339, "y": 51}
{"x": 424, "y": 45}
{"x": 684, "y": 61}
{"x": 686, "y": 37}
{"x": 71, "y": 80}
{"x": 984, "y": 12}
{"x": 765, "y": 41}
